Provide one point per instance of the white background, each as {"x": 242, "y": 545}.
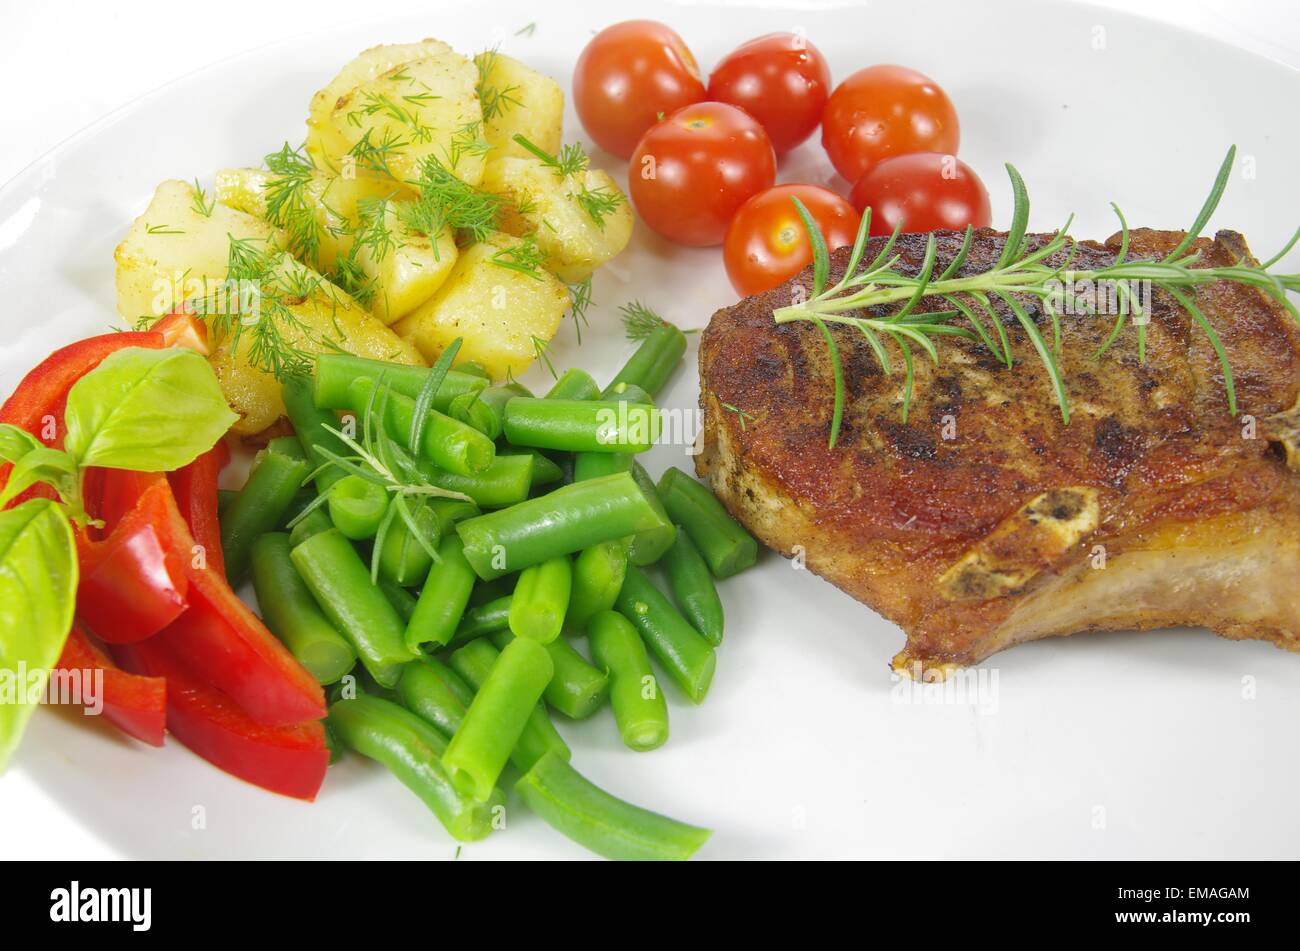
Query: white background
{"x": 67, "y": 64}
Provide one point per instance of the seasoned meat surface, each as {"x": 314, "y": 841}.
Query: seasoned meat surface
{"x": 984, "y": 520}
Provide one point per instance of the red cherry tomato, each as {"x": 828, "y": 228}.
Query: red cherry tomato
{"x": 767, "y": 243}
{"x": 781, "y": 80}
{"x": 926, "y": 191}
{"x": 693, "y": 170}
{"x": 628, "y": 76}
{"x": 883, "y": 111}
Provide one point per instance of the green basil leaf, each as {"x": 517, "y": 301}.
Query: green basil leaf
{"x": 150, "y": 410}
{"x": 42, "y": 465}
{"x": 38, "y": 588}
{"x": 16, "y": 443}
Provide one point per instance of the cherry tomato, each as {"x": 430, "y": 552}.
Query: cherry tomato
{"x": 926, "y": 191}
{"x": 628, "y": 76}
{"x": 882, "y": 111}
{"x": 767, "y": 243}
{"x": 693, "y": 170}
{"x": 781, "y": 80}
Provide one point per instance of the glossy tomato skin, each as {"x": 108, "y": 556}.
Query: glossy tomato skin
{"x": 691, "y": 172}
{"x": 781, "y": 80}
{"x": 926, "y": 191}
{"x": 767, "y": 243}
{"x": 882, "y": 111}
{"x": 627, "y": 76}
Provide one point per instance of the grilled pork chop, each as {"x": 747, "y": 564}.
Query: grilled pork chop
{"x": 984, "y": 521}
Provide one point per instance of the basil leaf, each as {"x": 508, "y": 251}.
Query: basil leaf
{"x": 42, "y": 465}
{"x": 150, "y": 410}
{"x": 16, "y": 443}
{"x": 38, "y": 586}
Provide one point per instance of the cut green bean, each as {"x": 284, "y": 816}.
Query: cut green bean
{"x": 292, "y": 614}
{"x": 402, "y": 600}
{"x": 546, "y": 471}
{"x": 569, "y": 519}
{"x": 497, "y": 716}
{"x": 312, "y": 523}
{"x": 483, "y": 619}
{"x": 601, "y": 822}
{"x": 681, "y": 649}
{"x": 598, "y": 574}
{"x": 436, "y": 693}
{"x": 504, "y": 483}
{"x": 412, "y": 751}
{"x": 628, "y": 393}
{"x": 725, "y": 545}
{"x": 277, "y": 473}
{"x": 224, "y": 498}
{"x": 448, "y": 443}
{"x": 309, "y": 425}
{"x": 577, "y": 689}
{"x": 301, "y": 500}
{"x": 654, "y": 361}
{"x": 341, "y": 584}
{"x": 693, "y": 588}
{"x": 574, "y": 384}
{"x": 357, "y": 506}
{"x": 485, "y": 591}
{"x": 443, "y": 598}
{"x": 581, "y": 425}
{"x": 640, "y": 710}
{"x": 484, "y": 410}
{"x": 403, "y": 560}
{"x": 649, "y": 546}
{"x": 541, "y": 599}
{"x": 593, "y": 465}
{"x": 473, "y": 662}
{"x": 451, "y": 511}
{"x": 336, "y": 371}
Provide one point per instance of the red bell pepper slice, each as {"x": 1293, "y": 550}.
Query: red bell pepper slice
{"x": 195, "y": 488}
{"x": 181, "y": 328}
{"x": 135, "y": 705}
{"x": 288, "y": 759}
{"x": 134, "y": 583}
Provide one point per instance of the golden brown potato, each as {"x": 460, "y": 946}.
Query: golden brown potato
{"x": 516, "y": 99}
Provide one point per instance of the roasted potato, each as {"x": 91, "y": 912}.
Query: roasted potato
{"x": 516, "y": 99}
{"x": 550, "y": 207}
{"x": 504, "y": 314}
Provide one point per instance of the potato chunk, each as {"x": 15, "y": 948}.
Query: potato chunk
{"x": 550, "y": 207}
{"x": 497, "y": 309}
{"x": 516, "y": 99}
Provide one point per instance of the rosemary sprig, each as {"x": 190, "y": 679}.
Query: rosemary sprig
{"x": 1018, "y": 274}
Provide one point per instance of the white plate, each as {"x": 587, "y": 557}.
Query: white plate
{"x": 1160, "y": 744}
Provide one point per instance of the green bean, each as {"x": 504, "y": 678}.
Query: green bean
{"x": 725, "y": 545}
{"x": 496, "y": 718}
{"x": 598, "y": 574}
{"x": 292, "y": 614}
{"x": 577, "y": 689}
{"x": 448, "y": 443}
{"x": 484, "y": 410}
{"x": 693, "y": 588}
{"x": 639, "y": 706}
{"x": 302, "y": 498}
{"x": 436, "y": 693}
{"x": 569, "y": 519}
{"x": 603, "y": 823}
{"x": 412, "y": 750}
{"x": 403, "y": 560}
{"x": 485, "y": 591}
{"x": 451, "y": 511}
{"x": 259, "y": 508}
{"x": 574, "y": 384}
{"x": 403, "y": 601}
{"x": 224, "y": 498}
{"x": 443, "y": 598}
{"x": 357, "y": 506}
{"x": 546, "y": 470}
{"x": 312, "y": 523}
{"x": 474, "y": 662}
{"x": 503, "y": 483}
{"x": 593, "y": 465}
{"x": 340, "y": 581}
{"x": 654, "y": 361}
{"x": 581, "y": 425}
{"x": 683, "y": 652}
{"x": 483, "y": 619}
{"x": 541, "y": 598}
{"x": 649, "y": 546}
{"x": 627, "y": 393}
{"x": 309, "y": 425}
{"x": 336, "y": 371}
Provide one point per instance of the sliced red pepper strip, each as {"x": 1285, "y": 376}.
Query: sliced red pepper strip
{"x": 183, "y": 329}
{"x": 227, "y": 645}
{"x": 289, "y": 759}
{"x": 135, "y": 705}
{"x": 110, "y": 494}
{"x": 195, "y": 488}
{"x": 134, "y": 583}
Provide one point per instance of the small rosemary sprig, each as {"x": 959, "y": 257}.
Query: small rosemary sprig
{"x": 1019, "y": 272}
